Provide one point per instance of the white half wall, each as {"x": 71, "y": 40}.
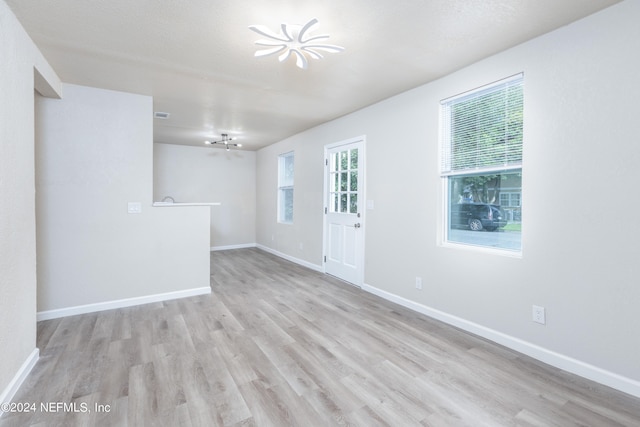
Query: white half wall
{"x": 581, "y": 157}
{"x": 22, "y": 68}
{"x": 206, "y": 174}
{"x": 94, "y": 155}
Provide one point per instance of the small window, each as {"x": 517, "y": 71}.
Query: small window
{"x": 285, "y": 188}
{"x": 481, "y": 165}
{"x": 343, "y": 180}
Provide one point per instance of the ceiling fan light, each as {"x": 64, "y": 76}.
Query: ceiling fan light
{"x": 293, "y": 39}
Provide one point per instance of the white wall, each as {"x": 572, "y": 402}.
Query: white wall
{"x": 579, "y": 237}
{"x": 205, "y": 174}
{"x": 94, "y": 154}
{"x": 301, "y": 240}
{"x": 19, "y": 60}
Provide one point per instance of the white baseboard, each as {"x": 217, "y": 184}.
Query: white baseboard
{"x": 18, "y": 379}
{"x": 128, "y": 302}
{"x": 578, "y": 367}
{"x": 292, "y": 259}
{"x": 225, "y": 248}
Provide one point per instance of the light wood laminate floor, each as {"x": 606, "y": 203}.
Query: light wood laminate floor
{"x": 276, "y": 344}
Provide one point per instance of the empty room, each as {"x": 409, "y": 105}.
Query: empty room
{"x": 297, "y": 213}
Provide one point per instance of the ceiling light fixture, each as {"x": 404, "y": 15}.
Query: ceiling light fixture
{"x": 226, "y": 141}
{"x": 293, "y": 40}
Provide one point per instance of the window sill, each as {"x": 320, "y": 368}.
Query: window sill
{"x": 483, "y": 249}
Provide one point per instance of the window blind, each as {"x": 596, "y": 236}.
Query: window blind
{"x": 482, "y": 130}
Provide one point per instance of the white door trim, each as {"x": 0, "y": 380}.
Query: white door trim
{"x": 361, "y": 203}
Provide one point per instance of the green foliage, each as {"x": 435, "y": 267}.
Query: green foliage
{"x": 482, "y": 188}
{"x": 513, "y": 226}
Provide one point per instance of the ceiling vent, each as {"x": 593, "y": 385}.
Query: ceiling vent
{"x": 161, "y": 115}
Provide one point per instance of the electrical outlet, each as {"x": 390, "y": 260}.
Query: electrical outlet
{"x": 538, "y": 315}
{"x": 419, "y": 283}
{"x": 134, "y": 207}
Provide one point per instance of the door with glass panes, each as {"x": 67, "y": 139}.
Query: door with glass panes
{"x": 344, "y": 221}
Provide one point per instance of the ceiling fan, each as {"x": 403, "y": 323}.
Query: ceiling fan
{"x": 226, "y": 141}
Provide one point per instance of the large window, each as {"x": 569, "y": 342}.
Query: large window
{"x": 285, "y": 188}
{"x": 481, "y": 165}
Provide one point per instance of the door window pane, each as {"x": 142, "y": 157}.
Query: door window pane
{"x": 354, "y": 204}
{"x": 343, "y": 181}
{"x": 354, "y": 181}
{"x": 354, "y": 159}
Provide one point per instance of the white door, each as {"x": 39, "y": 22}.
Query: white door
{"x": 344, "y": 213}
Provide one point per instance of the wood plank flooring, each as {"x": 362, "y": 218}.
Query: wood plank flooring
{"x": 276, "y": 344}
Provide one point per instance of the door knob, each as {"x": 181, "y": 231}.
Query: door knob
{"x": 356, "y": 225}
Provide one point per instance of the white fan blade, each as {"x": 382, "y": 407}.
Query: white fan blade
{"x": 264, "y": 31}
{"x": 306, "y": 28}
{"x": 312, "y": 53}
{"x": 326, "y": 47}
{"x": 267, "y": 52}
{"x": 301, "y": 61}
{"x": 263, "y": 42}
{"x": 285, "y": 31}
{"x": 284, "y": 56}
{"x": 320, "y": 37}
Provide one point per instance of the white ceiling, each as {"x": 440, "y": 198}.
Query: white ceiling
{"x": 196, "y": 57}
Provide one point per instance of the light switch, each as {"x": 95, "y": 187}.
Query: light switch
{"x": 134, "y": 207}
{"x": 370, "y": 205}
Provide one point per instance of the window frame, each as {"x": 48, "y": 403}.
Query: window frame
{"x": 448, "y": 172}
{"x": 285, "y": 187}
